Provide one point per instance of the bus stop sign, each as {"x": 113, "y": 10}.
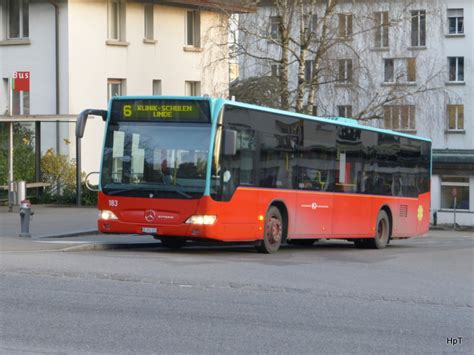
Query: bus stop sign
{"x": 21, "y": 81}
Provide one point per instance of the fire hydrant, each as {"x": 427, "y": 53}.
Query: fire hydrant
{"x": 25, "y": 217}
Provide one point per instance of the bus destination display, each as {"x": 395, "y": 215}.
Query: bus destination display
{"x": 161, "y": 110}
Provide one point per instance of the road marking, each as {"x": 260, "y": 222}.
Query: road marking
{"x": 63, "y": 242}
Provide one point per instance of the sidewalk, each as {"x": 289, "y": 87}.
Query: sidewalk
{"x": 62, "y": 228}
{"x": 48, "y": 222}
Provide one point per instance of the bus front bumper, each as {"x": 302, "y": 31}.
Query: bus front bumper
{"x": 218, "y": 231}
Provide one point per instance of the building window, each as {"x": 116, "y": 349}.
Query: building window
{"x": 193, "y": 28}
{"x": 21, "y": 103}
{"x": 275, "y": 69}
{"x": 455, "y": 117}
{"x": 17, "y": 19}
{"x": 344, "y": 111}
{"x": 400, "y": 70}
{"x": 411, "y": 70}
{"x": 456, "y": 68}
{"x": 382, "y": 26}
{"x": 313, "y": 23}
{"x": 4, "y": 97}
{"x": 389, "y": 71}
{"x": 156, "y": 87}
{"x": 345, "y": 71}
{"x": 149, "y": 21}
{"x": 399, "y": 117}
{"x": 418, "y": 28}
{"x": 193, "y": 88}
{"x": 308, "y": 70}
{"x": 345, "y": 25}
{"x": 115, "y": 87}
{"x": 20, "y": 100}
{"x": 455, "y": 21}
{"x": 458, "y": 186}
{"x": 275, "y": 22}
{"x": 116, "y": 18}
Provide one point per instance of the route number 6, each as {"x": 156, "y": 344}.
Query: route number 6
{"x": 127, "y": 110}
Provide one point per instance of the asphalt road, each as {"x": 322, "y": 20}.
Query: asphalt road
{"x": 330, "y": 298}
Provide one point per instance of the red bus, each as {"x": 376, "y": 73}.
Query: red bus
{"x": 187, "y": 168}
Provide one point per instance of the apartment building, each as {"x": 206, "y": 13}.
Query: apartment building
{"x": 79, "y": 53}
{"x": 397, "y": 64}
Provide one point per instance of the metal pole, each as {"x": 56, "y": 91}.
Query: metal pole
{"x": 10, "y": 157}
{"x": 10, "y": 151}
{"x": 38, "y": 154}
{"x": 454, "y": 224}
{"x": 78, "y": 172}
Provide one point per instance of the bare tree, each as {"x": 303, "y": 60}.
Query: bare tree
{"x": 323, "y": 50}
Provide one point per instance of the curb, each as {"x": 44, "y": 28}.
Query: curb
{"x": 449, "y": 228}
{"x": 68, "y": 235}
{"x": 109, "y": 246}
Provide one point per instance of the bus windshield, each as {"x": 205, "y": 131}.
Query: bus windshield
{"x": 145, "y": 158}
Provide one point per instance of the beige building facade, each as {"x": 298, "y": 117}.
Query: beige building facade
{"x": 81, "y": 52}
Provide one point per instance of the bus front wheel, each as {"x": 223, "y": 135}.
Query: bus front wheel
{"x": 273, "y": 232}
{"x": 382, "y": 234}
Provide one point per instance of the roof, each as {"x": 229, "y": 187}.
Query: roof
{"x": 452, "y": 156}
{"x": 348, "y": 122}
{"x": 38, "y": 118}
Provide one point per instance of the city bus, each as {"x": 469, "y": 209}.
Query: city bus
{"x": 199, "y": 168}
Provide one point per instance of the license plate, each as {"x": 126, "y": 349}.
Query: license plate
{"x": 149, "y": 230}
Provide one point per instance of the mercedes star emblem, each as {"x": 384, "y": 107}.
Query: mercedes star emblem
{"x": 150, "y": 215}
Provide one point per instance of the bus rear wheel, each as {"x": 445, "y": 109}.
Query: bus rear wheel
{"x": 273, "y": 233}
{"x": 172, "y": 243}
{"x": 382, "y": 229}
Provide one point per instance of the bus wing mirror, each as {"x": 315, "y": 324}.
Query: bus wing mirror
{"x": 82, "y": 119}
{"x": 230, "y": 142}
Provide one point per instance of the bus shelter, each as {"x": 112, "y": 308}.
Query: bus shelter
{"x": 24, "y": 139}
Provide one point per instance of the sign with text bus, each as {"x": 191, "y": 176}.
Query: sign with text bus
{"x": 21, "y": 81}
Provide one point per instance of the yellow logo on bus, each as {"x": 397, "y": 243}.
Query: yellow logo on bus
{"x": 420, "y": 213}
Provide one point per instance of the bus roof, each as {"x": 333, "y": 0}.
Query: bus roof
{"x": 216, "y": 104}
{"x": 343, "y": 121}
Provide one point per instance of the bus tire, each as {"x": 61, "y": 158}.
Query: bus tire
{"x": 382, "y": 232}
{"x": 172, "y": 243}
{"x": 273, "y": 232}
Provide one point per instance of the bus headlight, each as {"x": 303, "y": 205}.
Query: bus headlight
{"x": 107, "y": 215}
{"x": 201, "y": 219}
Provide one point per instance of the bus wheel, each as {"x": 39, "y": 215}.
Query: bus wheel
{"x": 382, "y": 232}
{"x": 172, "y": 243}
{"x": 302, "y": 242}
{"x": 273, "y": 233}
